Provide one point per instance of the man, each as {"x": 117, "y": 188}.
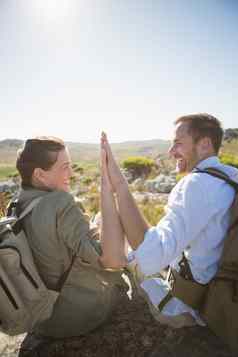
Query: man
{"x": 196, "y": 220}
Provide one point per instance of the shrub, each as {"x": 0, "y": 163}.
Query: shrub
{"x": 229, "y": 159}
{"x": 77, "y": 168}
{"x": 87, "y": 180}
{"x": 92, "y": 204}
{"x": 138, "y": 166}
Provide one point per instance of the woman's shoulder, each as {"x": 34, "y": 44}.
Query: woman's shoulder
{"x": 58, "y": 199}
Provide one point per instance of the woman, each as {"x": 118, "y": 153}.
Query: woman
{"x": 57, "y": 231}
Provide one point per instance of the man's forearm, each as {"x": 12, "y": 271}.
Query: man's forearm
{"x": 132, "y": 220}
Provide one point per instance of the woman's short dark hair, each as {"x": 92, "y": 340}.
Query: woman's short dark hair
{"x": 204, "y": 125}
{"x": 40, "y": 152}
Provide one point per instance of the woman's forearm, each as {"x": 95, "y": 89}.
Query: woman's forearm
{"x": 112, "y": 235}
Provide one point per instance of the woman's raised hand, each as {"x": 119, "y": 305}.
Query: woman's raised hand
{"x": 105, "y": 180}
{"x": 114, "y": 174}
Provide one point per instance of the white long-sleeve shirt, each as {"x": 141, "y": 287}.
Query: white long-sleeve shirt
{"x": 196, "y": 221}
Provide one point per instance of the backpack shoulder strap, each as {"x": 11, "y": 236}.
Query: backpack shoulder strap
{"x": 219, "y": 174}
{"x": 17, "y": 225}
{"x": 29, "y": 208}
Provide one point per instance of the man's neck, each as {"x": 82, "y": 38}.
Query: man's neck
{"x": 205, "y": 157}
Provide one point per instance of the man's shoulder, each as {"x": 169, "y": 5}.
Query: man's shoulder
{"x": 193, "y": 186}
{"x": 209, "y": 186}
{"x": 192, "y": 179}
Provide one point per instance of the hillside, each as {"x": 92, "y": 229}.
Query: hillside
{"x": 90, "y": 152}
{"x": 83, "y": 152}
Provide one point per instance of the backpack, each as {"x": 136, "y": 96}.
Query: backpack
{"x": 217, "y": 301}
{"x": 24, "y": 298}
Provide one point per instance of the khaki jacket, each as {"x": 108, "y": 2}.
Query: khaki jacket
{"x": 56, "y": 230}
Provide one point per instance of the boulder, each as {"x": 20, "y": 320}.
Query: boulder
{"x": 9, "y": 186}
{"x": 143, "y": 197}
{"x": 161, "y": 183}
{"x": 138, "y": 184}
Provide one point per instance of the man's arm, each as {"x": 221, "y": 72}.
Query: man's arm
{"x": 132, "y": 220}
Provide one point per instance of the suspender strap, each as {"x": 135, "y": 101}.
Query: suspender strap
{"x": 189, "y": 291}
{"x": 219, "y": 174}
{"x": 165, "y": 300}
{"x": 185, "y": 270}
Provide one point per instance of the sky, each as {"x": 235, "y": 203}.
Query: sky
{"x": 72, "y": 68}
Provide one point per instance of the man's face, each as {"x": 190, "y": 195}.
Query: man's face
{"x": 58, "y": 176}
{"x": 184, "y": 150}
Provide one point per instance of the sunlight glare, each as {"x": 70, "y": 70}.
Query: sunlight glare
{"x": 53, "y": 10}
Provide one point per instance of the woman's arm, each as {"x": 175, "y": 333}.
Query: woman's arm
{"x": 112, "y": 235}
{"x": 134, "y": 224}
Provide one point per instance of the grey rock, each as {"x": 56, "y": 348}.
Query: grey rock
{"x": 9, "y": 186}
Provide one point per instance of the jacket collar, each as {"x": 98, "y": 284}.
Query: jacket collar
{"x": 28, "y": 194}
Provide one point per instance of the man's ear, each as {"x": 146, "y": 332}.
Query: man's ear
{"x": 206, "y": 146}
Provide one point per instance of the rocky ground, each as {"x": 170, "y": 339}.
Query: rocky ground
{"x": 131, "y": 332}
{"x": 9, "y": 346}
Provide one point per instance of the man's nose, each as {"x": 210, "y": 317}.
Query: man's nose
{"x": 71, "y": 171}
{"x": 171, "y": 150}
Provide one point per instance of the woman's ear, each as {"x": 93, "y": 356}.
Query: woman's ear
{"x": 38, "y": 177}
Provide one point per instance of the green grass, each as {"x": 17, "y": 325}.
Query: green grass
{"x": 7, "y": 171}
{"x": 89, "y": 168}
{"x": 152, "y": 212}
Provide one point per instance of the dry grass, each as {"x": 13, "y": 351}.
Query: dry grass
{"x": 4, "y": 199}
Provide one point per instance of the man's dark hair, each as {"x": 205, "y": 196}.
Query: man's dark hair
{"x": 204, "y": 125}
{"x": 40, "y": 152}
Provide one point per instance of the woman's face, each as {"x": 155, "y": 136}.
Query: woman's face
{"x": 58, "y": 176}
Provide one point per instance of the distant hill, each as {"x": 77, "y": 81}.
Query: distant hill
{"x": 13, "y": 143}
{"x": 8, "y": 150}
{"x": 90, "y": 152}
